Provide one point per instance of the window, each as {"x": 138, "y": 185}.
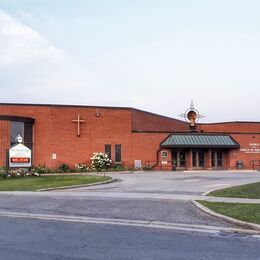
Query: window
{"x": 213, "y": 159}
{"x": 164, "y": 154}
{"x": 198, "y": 159}
{"x": 182, "y": 155}
{"x": 217, "y": 159}
{"x": 118, "y": 153}
{"x": 201, "y": 158}
{"x": 194, "y": 159}
{"x": 28, "y": 135}
{"x": 108, "y": 150}
{"x": 25, "y": 130}
{"x": 179, "y": 158}
{"x": 17, "y": 128}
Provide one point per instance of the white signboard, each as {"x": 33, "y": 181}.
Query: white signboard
{"x": 20, "y": 156}
{"x": 164, "y": 162}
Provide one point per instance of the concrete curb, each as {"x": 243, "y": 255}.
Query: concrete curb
{"x": 90, "y": 173}
{"x": 208, "y": 192}
{"x": 122, "y": 172}
{"x": 229, "y": 219}
{"x": 79, "y": 186}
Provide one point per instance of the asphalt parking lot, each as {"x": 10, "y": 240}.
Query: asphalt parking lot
{"x": 152, "y": 196}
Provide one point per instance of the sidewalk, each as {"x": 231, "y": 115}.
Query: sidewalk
{"x": 130, "y": 195}
{"x": 229, "y": 200}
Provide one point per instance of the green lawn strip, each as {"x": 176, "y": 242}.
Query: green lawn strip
{"x": 240, "y": 211}
{"x": 248, "y": 191}
{"x": 43, "y": 182}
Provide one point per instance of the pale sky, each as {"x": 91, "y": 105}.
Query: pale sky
{"x": 155, "y": 55}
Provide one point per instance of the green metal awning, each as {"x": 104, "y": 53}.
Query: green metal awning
{"x": 200, "y": 141}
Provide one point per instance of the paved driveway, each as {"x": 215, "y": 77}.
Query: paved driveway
{"x": 192, "y": 183}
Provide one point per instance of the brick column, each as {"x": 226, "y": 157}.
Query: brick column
{"x": 226, "y": 160}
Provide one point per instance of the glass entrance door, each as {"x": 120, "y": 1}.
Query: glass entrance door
{"x": 198, "y": 159}
{"x": 217, "y": 159}
{"x": 179, "y": 159}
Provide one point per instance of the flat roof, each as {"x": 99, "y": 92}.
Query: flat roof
{"x": 126, "y": 108}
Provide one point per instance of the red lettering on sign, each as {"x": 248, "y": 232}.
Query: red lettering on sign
{"x": 20, "y": 160}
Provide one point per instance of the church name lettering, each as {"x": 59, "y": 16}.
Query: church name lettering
{"x": 253, "y": 148}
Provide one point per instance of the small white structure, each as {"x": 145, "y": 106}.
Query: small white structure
{"x": 138, "y": 164}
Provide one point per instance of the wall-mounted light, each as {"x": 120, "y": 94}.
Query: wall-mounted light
{"x": 97, "y": 114}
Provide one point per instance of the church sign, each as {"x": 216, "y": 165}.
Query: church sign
{"x": 20, "y": 156}
{"x": 253, "y": 148}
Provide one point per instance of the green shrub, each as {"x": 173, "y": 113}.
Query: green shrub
{"x": 64, "y": 168}
{"x": 41, "y": 169}
{"x": 147, "y": 168}
{"x": 118, "y": 167}
{"x": 3, "y": 170}
{"x": 81, "y": 168}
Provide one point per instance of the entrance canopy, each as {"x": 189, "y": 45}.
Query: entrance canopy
{"x": 199, "y": 141}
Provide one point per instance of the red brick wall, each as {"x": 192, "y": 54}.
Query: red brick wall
{"x": 245, "y": 133}
{"x": 54, "y": 132}
{"x": 231, "y": 127}
{"x": 248, "y": 151}
{"x": 145, "y": 121}
{"x": 146, "y": 145}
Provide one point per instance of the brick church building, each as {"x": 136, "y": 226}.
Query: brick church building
{"x": 59, "y": 134}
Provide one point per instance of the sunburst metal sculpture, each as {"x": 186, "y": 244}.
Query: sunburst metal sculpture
{"x": 192, "y": 116}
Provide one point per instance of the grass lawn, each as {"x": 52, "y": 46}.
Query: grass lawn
{"x": 249, "y": 191}
{"x": 43, "y": 182}
{"x": 240, "y": 211}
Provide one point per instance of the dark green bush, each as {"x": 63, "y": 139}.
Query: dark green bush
{"x": 64, "y": 168}
{"x": 118, "y": 167}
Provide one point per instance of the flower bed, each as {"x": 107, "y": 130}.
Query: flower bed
{"x": 19, "y": 172}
